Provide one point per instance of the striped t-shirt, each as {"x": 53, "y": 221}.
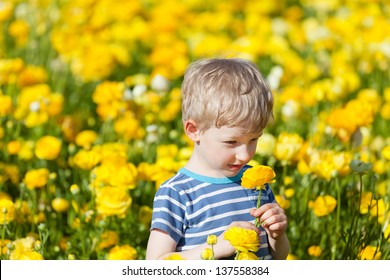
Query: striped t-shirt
{"x": 189, "y": 207}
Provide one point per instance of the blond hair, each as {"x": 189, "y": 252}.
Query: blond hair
{"x": 226, "y": 92}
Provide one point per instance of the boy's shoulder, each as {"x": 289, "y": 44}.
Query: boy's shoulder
{"x": 178, "y": 181}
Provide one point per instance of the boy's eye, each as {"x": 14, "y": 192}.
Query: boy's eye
{"x": 230, "y": 142}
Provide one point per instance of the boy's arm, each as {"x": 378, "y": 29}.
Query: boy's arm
{"x": 161, "y": 245}
{"x": 280, "y": 247}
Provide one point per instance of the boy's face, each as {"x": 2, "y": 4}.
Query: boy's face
{"x": 222, "y": 152}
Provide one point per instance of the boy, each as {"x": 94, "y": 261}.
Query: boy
{"x": 226, "y": 105}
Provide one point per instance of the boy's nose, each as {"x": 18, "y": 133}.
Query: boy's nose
{"x": 243, "y": 154}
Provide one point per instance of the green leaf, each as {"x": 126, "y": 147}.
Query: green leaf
{"x": 360, "y": 166}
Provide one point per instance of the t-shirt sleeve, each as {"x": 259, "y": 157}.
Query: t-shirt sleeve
{"x": 169, "y": 212}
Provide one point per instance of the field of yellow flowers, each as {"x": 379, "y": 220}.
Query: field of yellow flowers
{"x": 90, "y": 119}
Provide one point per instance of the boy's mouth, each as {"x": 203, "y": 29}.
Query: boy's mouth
{"x": 235, "y": 167}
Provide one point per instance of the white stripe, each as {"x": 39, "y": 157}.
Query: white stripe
{"x": 171, "y": 185}
{"x": 263, "y": 245}
{"x": 166, "y": 210}
{"x": 173, "y": 201}
{"x": 210, "y": 231}
{"x": 194, "y": 189}
{"x": 224, "y": 215}
{"x": 161, "y": 221}
{"x": 209, "y": 206}
{"x": 206, "y": 233}
{"x": 222, "y": 191}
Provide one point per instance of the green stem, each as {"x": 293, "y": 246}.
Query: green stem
{"x": 257, "y": 220}
{"x": 334, "y": 249}
{"x": 237, "y": 255}
{"x": 3, "y": 237}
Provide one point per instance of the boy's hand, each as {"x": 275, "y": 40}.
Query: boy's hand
{"x": 272, "y": 219}
{"x": 223, "y": 248}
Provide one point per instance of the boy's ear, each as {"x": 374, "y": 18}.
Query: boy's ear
{"x": 192, "y": 130}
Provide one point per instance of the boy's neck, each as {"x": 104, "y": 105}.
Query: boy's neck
{"x": 211, "y": 180}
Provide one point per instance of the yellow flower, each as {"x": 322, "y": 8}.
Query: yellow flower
{"x": 48, "y": 147}
{"x": 108, "y": 239}
{"x": 32, "y": 75}
{"x": 86, "y": 159}
{"x": 345, "y": 121}
{"x": 288, "y": 146}
{"x": 128, "y": 127}
{"x": 247, "y": 256}
{"x": 207, "y": 254}
{"x": 289, "y": 193}
{"x": 174, "y": 257}
{"x": 323, "y": 205}
{"x": 366, "y": 202}
{"x": 386, "y": 232}
{"x": 86, "y": 138}
{"x": 112, "y": 201}
{"x": 242, "y": 239}
{"x": 36, "y": 104}
{"x": 108, "y": 97}
{"x": 327, "y": 164}
{"x": 4, "y": 246}
{"x": 125, "y": 175}
{"x": 291, "y": 257}
{"x": 30, "y": 255}
{"x": 36, "y": 178}
{"x": 170, "y": 151}
{"x": 6, "y": 10}
{"x": 282, "y": 201}
{"x": 60, "y": 204}
{"x": 385, "y": 111}
{"x": 74, "y": 189}
{"x": 386, "y": 152}
{"x": 314, "y": 251}
{"x": 112, "y": 152}
{"x": 11, "y": 172}
{"x": 6, "y": 196}
{"x": 266, "y": 145}
{"x": 19, "y": 29}
{"x": 170, "y": 112}
{"x": 212, "y": 239}
{"x": 23, "y": 250}
{"x": 378, "y": 209}
{"x": 369, "y": 253}
{"x": 5, "y": 105}
{"x": 380, "y": 167}
{"x": 257, "y": 177}
{"x": 14, "y": 147}
{"x": 64, "y": 243}
{"x": 123, "y": 252}
{"x": 26, "y": 151}
{"x": 7, "y": 211}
